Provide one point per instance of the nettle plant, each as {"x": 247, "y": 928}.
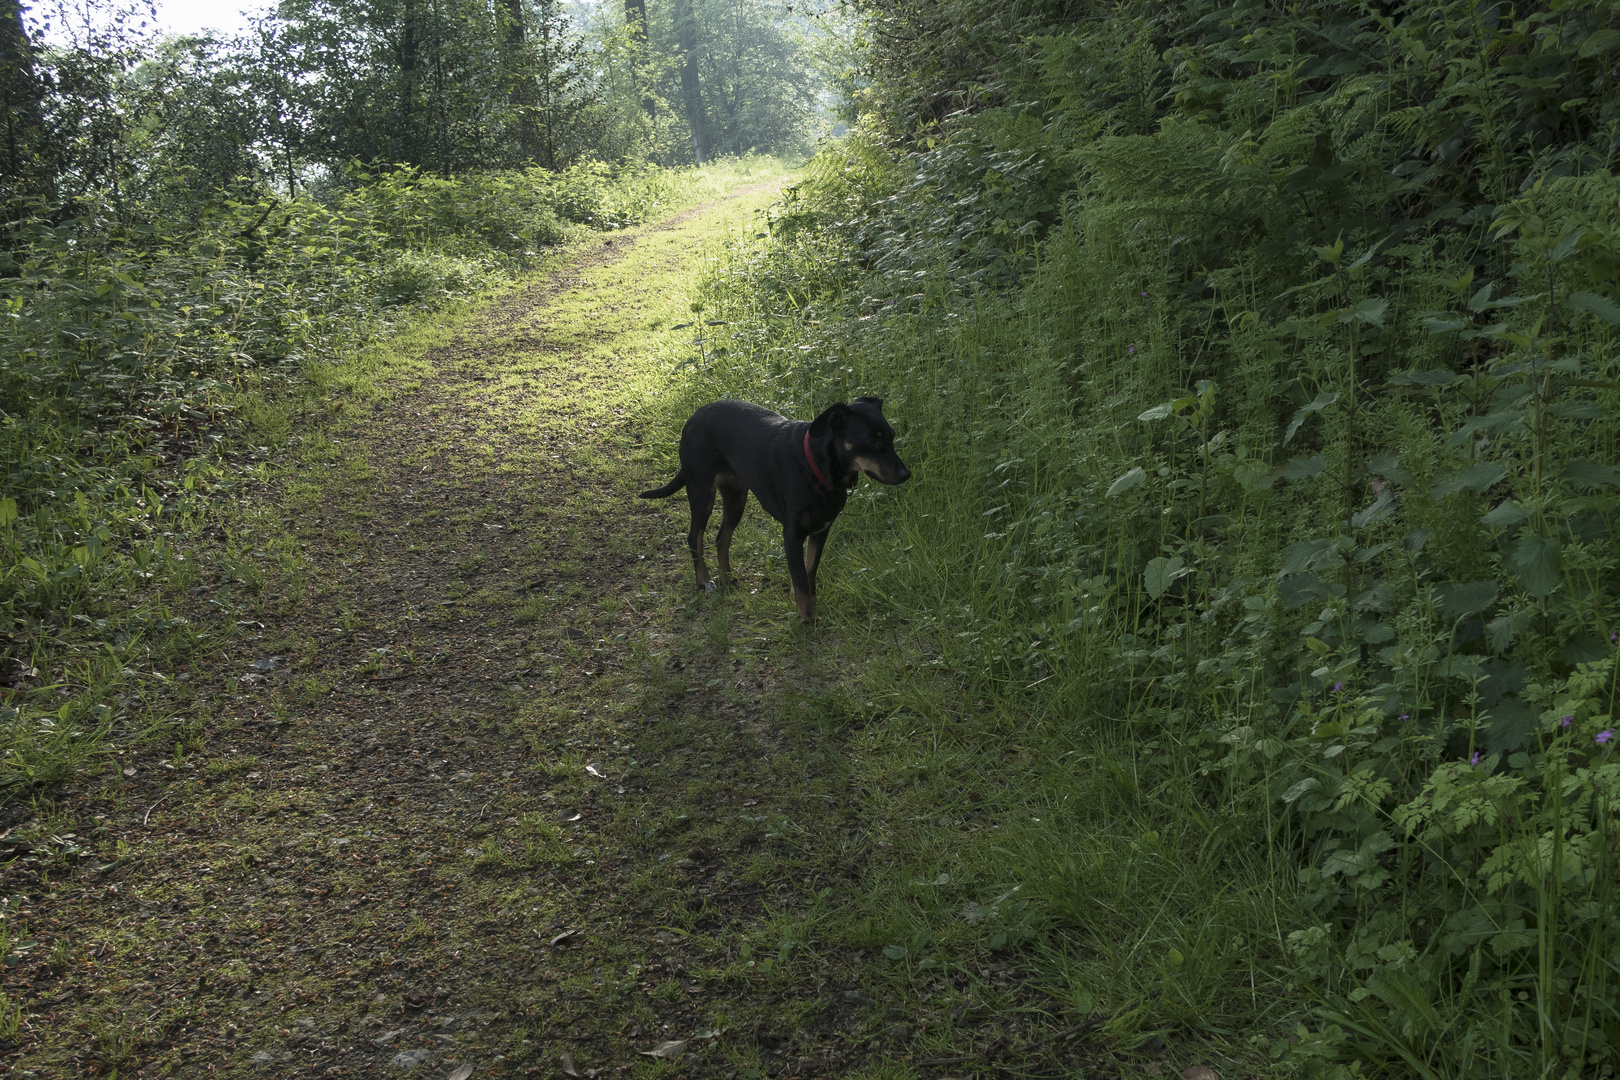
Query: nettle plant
{"x": 1450, "y": 773}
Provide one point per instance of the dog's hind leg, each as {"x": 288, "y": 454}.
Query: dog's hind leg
{"x": 733, "y": 500}
{"x": 701, "y": 498}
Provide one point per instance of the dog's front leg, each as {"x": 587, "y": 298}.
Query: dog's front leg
{"x": 804, "y": 591}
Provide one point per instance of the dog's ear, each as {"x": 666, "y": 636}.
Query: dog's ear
{"x": 831, "y": 419}
{"x": 875, "y": 402}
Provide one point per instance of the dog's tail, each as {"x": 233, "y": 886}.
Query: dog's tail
{"x": 668, "y": 489}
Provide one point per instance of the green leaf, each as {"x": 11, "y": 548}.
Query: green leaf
{"x": 1461, "y": 601}
{"x": 1567, "y": 246}
{"x": 1597, "y": 42}
{"x": 1131, "y": 479}
{"x": 1162, "y": 573}
{"x": 1601, "y": 306}
{"x": 1577, "y": 410}
{"x": 1506, "y": 516}
{"x": 1306, "y": 555}
{"x": 1582, "y": 473}
{"x": 8, "y": 511}
{"x": 1478, "y": 479}
{"x": 1379, "y": 509}
{"x": 1303, "y": 468}
{"x": 1304, "y": 787}
{"x": 1501, "y": 630}
{"x": 1535, "y": 559}
{"x": 1322, "y": 401}
{"x": 1300, "y": 589}
{"x": 1370, "y": 311}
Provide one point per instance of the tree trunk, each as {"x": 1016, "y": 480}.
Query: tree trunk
{"x": 21, "y": 104}
{"x": 521, "y": 79}
{"x": 686, "y": 34}
{"x": 635, "y": 19}
{"x": 404, "y": 137}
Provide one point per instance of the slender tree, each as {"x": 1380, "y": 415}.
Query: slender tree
{"x": 686, "y": 36}
{"x": 22, "y": 96}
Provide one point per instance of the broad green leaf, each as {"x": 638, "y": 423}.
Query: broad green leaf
{"x": 1493, "y": 423}
{"x": 1442, "y": 324}
{"x": 1322, "y": 401}
{"x": 1583, "y": 473}
{"x": 1509, "y": 515}
{"x": 1370, "y": 311}
{"x": 1501, "y": 630}
{"x": 1597, "y": 42}
{"x": 1567, "y": 246}
{"x": 1161, "y": 573}
{"x": 1461, "y": 601}
{"x": 8, "y": 511}
{"x": 1304, "y": 787}
{"x": 1601, "y": 306}
{"x": 1478, "y": 479}
{"x": 1535, "y": 559}
{"x": 1380, "y": 508}
{"x": 1131, "y": 479}
{"x": 1577, "y": 410}
{"x": 1254, "y": 476}
{"x": 1303, "y": 468}
{"x": 1300, "y": 589}
{"x": 1158, "y": 412}
{"x": 1306, "y": 555}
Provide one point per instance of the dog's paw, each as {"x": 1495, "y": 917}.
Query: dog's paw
{"x": 711, "y": 586}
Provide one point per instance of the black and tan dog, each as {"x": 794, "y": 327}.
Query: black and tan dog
{"x": 801, "y": 473}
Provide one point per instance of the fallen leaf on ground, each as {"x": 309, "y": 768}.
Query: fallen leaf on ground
{"x": 1199, "y": 1072}
{"x": 569, "y": 1067}
{"x": 669, "y": 1049}
{"x": 461, "y": 1073}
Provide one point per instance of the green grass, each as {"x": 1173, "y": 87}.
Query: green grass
{"x": 1100, "y": 728}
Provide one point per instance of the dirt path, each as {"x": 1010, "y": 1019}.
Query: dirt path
{"x": 481, "y": 781}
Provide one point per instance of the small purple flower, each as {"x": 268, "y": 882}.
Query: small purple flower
{"x": 1338, "y": 686}
{"x": 1604, "y": 736}
{"x": 1475, "y": 759}
{"x": 1144, "y": 294}
{"x": 1614, "y": 635}
{"x": 1131, "y": 349}
{"x": 1566, "y": 721}
{"x": 1405, "y": 716}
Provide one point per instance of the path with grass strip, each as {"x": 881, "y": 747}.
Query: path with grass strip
{"x": 483, "y": 781}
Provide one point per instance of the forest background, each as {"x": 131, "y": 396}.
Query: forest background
{"x": 1256, "y": 361}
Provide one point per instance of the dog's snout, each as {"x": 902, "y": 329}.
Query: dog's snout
{"x": 905, "y": 474}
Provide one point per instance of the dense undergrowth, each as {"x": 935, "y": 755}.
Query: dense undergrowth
{"x": 149, "y": 371}
{"x": 1258, "y": 367}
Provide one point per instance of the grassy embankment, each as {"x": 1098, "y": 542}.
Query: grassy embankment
{"x": 1248, "y": 626}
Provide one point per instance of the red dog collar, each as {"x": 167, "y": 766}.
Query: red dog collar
{"x": 822, "y": 480}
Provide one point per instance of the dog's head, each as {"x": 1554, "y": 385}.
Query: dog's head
{"x": 864, "y": 438}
